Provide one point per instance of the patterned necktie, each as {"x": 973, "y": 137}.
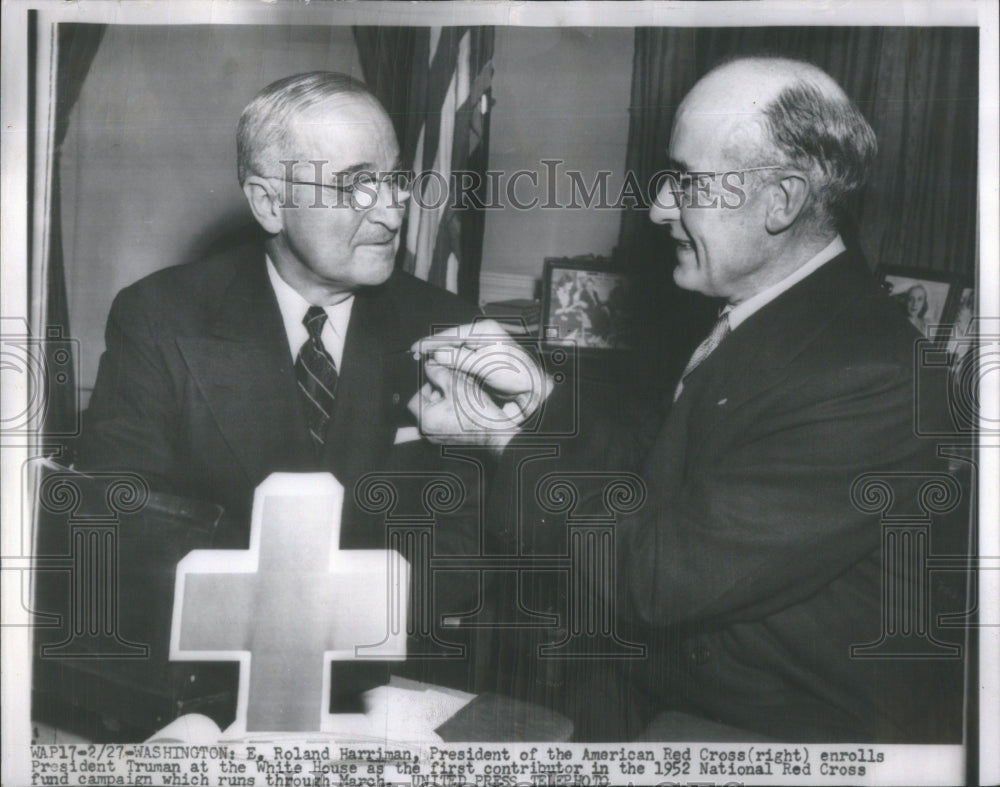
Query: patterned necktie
{"x": 317, "y": 376}
{"x": 703, "y": 350}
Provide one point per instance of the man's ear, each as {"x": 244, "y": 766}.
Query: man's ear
{"x": 788, "y": 200}
{"x": 264, "y": 203}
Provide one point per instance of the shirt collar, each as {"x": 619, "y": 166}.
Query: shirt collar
{"x": 293, "y": 308}
{"x": 740, "y": 312}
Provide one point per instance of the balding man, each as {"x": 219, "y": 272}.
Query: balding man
{"x": 749, "y": 573}
{"x": 288, "y": 353}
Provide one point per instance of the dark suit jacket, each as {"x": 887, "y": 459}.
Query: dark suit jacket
{"x": 196, "y": 391}
{"x": 749, "y": 572}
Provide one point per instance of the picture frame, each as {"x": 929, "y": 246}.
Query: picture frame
{"x": 923, "y": 297}
{"x": 585, "y": 301}
{"x": 958, "y": 331}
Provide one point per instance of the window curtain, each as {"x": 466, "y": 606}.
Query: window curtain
{"x": 435, "y": 84}
{"x": 77, "y": 45}
{"x": 919, "y": 89}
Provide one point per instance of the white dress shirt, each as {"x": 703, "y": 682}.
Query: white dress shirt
{"x": 293, "y": 308}
{"x": 742, "y": 311}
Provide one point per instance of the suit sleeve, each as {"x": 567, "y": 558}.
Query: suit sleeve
{"x": 580, "y": 430}
{"x": 128, "y": 422}
{"x": 769, "y": 520}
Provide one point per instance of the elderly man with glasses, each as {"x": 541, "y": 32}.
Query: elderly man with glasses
{"x": 289, "y": 352}
{"x": 753, "y": 573}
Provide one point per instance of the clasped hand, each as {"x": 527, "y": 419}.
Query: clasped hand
{"x": 480, "y": 385}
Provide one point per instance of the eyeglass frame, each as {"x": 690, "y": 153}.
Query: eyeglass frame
{"x": 351, "y": 188}
{"x": 679, "y": 192}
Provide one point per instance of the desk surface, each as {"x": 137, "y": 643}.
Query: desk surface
{"x": 404, "y": 711}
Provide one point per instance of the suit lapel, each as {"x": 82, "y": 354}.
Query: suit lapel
{"x": 243, "y": 369}
{"x": 362, "y": 427}
{"x": 753, "y": 357}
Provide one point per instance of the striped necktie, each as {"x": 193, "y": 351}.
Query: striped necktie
{"x": 703, "y": 350}
{"x": 317, "y": 377}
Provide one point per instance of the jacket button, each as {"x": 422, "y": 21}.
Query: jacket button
{"x": 395, "y": 398}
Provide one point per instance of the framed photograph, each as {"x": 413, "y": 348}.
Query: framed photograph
{"x": 958, "y": 330}
{"x": 921, "y": 295}
{"x": 585, "y": 300}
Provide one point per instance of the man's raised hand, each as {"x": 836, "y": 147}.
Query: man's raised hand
{"x": 481, "y": 385}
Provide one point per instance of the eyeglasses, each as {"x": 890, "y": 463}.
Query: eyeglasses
{"x": 684, "y": 183}
{"x": 361, "y": 190}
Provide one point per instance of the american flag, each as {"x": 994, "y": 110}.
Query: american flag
{"x": 447, "y": 133}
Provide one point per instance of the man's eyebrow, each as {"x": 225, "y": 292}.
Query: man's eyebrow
{"x": 365, "y": 166}
{"x": 676, "y": 164}
{"x": 354, "y": 169}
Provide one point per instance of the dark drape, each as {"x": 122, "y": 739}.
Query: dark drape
{"x": 387, "y": 57}
{"x": 471, "y": 153}
{"x": 397, "y": 66}
{"x": 919, "y": 89}
{"x": 77, "y": 46}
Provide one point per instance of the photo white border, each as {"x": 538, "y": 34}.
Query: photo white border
{"x": 15, "y": 687}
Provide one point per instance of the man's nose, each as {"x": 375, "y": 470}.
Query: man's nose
{"x": 390, "y": 205}
{"x": 666, "y": 206}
